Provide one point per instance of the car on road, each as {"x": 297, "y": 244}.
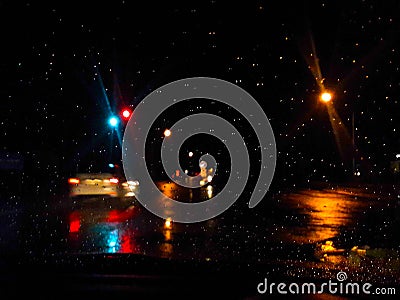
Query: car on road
{"x": 110, "y": 183}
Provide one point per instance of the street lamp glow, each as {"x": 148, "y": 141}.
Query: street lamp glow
{"x": 190, "y": 154}
{"x": 326, "y": 97}
{"x": 167, "y": 132}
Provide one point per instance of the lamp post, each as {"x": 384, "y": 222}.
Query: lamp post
{"x": 326, "y": 97}
{"x": 353, "y": 142}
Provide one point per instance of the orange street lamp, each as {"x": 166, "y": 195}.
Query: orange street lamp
{"x": 326, "y": 97}
{"x": 167, "y": 132}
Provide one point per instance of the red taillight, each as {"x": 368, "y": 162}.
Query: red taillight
{"x": 73, "y": 181}
{"x": 114, "y": 180}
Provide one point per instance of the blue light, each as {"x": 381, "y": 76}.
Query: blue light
{"x": 111, "y": 165}
{"x": 113, "y": 121}
{"x": 112, "y": 241}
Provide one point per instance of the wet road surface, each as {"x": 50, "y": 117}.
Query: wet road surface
{"x": 312, "y": 232}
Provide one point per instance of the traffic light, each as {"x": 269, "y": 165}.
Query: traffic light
{"x": 126, "y": 114}
{"x": 113, "y": 121}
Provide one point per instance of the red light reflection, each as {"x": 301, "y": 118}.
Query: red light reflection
{"x": 120, "y": 216}
{"x": 74, "y": 222}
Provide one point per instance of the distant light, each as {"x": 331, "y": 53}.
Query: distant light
{"x": 111, "y": 165}
{"x": 167, "y": 132}
{"x": 209, "y": 191}
{"x": 73, "y": 181}
{"x": 131, "y": 187}
{"x": 126, "y": 113}
{"x": 209, "y": 178}
{"x": 114, "y": 180}
{"x": 190, "y": 154}
{"x": 397, "y": 155}
{"x": 113, "y": 121}
{"x": 202, "y": 182}
{"x": 130, "y": 194}
{"x": 326, "y": 97}
{"x": 186, "y": 171}
{"x": 133, "y": 182}
{"x": 203, "y": 164}
{"x": 168, "y": 223}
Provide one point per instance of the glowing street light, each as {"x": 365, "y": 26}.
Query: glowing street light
{"x": 326, "y": 97}
{"x": 167, "y": 132}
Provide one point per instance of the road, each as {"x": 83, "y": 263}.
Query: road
{"x": 313, "y": 232}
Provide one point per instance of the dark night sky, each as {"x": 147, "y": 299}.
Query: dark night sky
{"x": 61, "y": 61}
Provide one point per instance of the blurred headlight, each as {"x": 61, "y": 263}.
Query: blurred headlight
{"x": 133, "y": 183}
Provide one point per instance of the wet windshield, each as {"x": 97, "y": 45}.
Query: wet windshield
{"x": 77, "y": 89}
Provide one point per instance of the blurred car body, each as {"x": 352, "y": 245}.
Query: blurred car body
{"x": 101, "y": 184}
{"x": 87, "y": 184}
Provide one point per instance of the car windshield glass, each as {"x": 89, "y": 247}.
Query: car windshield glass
{"x": 260, "y": 134}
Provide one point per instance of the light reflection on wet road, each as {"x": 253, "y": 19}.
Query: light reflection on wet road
{"x": 288, "y": 226}
{"x": 294, "y": 229}
{"x": 325, "y": 214}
